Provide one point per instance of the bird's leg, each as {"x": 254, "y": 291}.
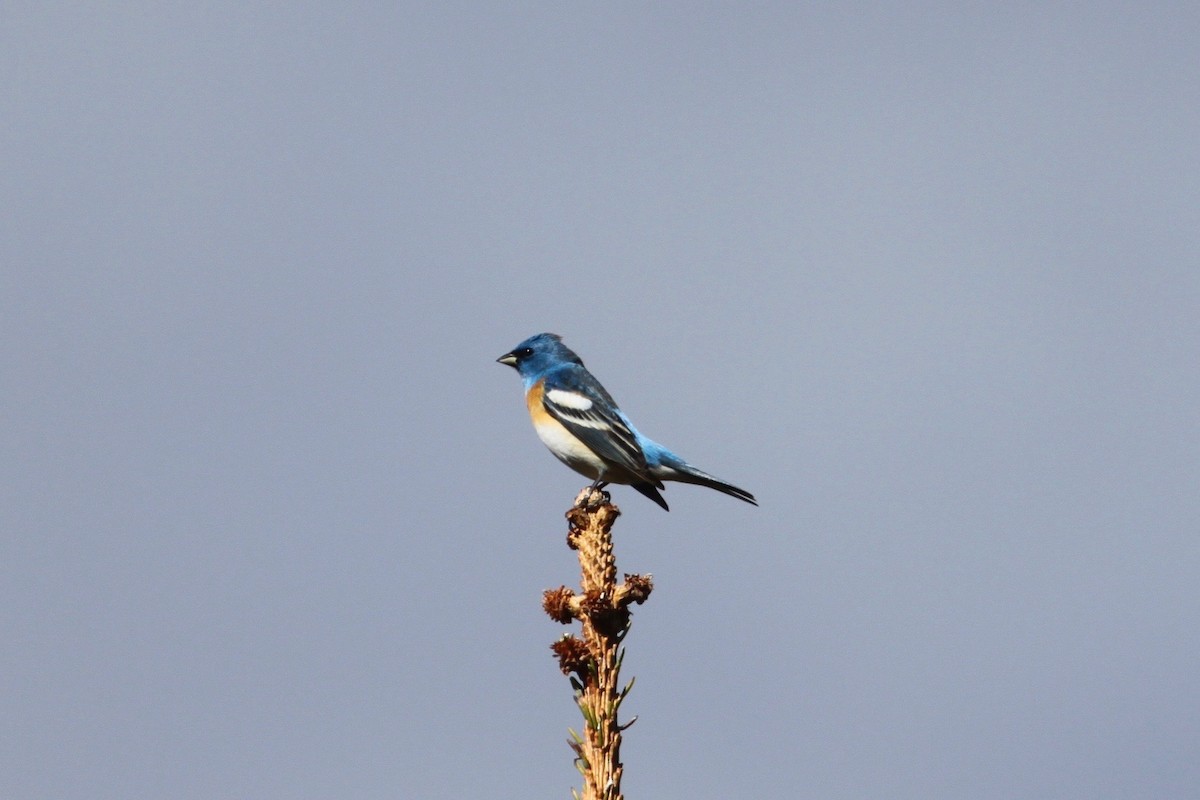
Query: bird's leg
{"x": 596, "y": 486}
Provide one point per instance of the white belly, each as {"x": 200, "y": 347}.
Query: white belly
{"x": 568, "y": 449}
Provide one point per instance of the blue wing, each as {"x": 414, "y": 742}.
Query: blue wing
{"x": 578, "y": 401}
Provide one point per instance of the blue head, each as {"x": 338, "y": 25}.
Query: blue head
{"x": 537, "y": 354}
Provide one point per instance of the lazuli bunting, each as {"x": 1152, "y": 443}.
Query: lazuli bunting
{"x": 580, "y": 422}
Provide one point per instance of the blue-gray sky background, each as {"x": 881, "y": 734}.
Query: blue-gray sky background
{"x": 924, "y": 277}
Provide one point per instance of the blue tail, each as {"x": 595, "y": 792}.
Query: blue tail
{"x": 666, "y": 466}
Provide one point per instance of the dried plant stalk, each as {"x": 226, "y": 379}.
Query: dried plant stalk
{"x": 594, "y": 662}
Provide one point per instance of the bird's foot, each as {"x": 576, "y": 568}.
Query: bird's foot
{"x": 593, "y": 495}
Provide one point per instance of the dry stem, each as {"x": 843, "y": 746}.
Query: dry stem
{"x": 595, "y": 662}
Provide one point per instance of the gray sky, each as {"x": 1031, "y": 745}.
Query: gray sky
{"x": 926, "y": 279}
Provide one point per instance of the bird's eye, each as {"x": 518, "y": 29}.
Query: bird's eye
{"x": 524, "y": 352}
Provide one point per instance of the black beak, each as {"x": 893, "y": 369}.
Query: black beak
{"x": 508, "y": 358}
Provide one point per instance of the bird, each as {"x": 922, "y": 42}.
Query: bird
{"x": 577, "y": 419}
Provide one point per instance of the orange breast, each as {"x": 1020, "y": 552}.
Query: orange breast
{"x": 533, "y": 399}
